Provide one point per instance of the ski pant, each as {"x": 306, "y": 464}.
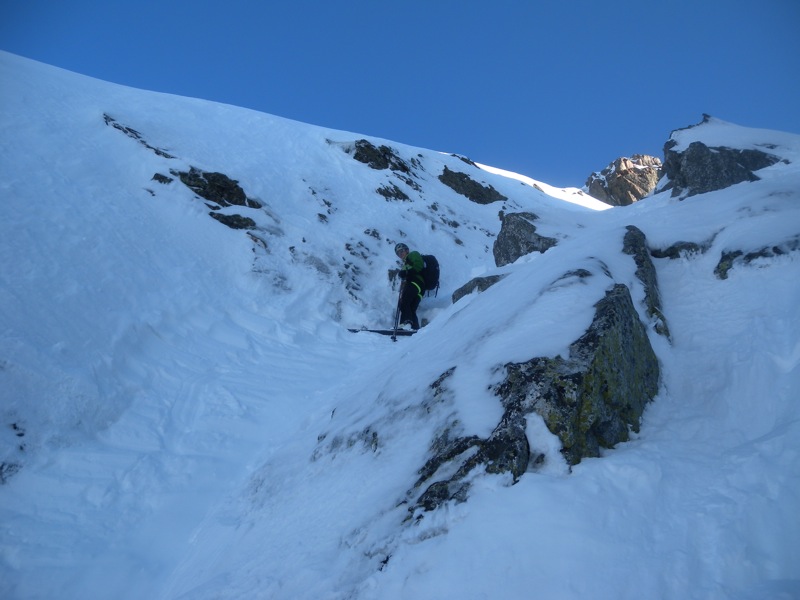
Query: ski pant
{"x": 409, "y": 301}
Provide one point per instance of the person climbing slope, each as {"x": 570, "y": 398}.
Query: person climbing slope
{"x": 413, "y": 285}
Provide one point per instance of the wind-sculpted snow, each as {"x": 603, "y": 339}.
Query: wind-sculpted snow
{"x": 185, "y": 414}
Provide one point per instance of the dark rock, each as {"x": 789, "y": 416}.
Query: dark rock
{"x": 8, "y": 470}
{"x": 518, "y": 237}
{"x": 591, "y": 399}
{"x": 731, "y": 258}
{"x": 678, "y": 249}
{"x": 392, "y": 192}
{"x": 436, "y": 494}
{"x": 215, "y": 187}
{"x": 461, "y": 183}
{"x": 445, "y": 450}
{"x": 635, "y": 244}
{"x": 507, "y": 449}
{"x": 379, "y": 158}
{"x": 163, "y": 179}
{"x": 466, "y": 160}
{"x": 725, "y": 263}
{"x": 478, "y": 283}
{"x": 234, "y": 221}
{"x": 133, "y": 134}
{"x": 626, "y": 180}
{"x": 700, "y": 169}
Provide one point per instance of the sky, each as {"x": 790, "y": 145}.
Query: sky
{"x": 184, "y": 415}
{"x": 553, "y": 90}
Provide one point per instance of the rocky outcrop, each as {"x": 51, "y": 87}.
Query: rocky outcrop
{"x": 635, "y": 245}
{"x": 626, "y": 180}
{"x": 481, "y": 284}
{"x": 135, "y": 135}
{"x": 699, "y": 169}
{"x": 215, "y": 187}
{"x": 518, "y": 237}
{"x": 392, "y": 192}
{"x": 590, "y": 400}
{"x": 593, "y": 398}
{"x": 733, "y": 257}
{"x": 463, "y": 184}
{"x": 234, "y": 221}
{"x": 379, "y": 157}
{"x": 506, "y": 450}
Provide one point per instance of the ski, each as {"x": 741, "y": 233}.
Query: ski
{"x": 385, "y": 331}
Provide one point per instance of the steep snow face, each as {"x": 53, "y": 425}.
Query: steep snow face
{"x": 186, "y": 416}
{"x": 80, "y": 157}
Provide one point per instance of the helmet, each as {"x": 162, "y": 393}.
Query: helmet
{"x": 401, "y": 247}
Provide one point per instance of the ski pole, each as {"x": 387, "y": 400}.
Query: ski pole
{"x": 397, "y": 311}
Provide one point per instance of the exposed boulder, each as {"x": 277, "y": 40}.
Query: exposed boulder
{"x": 463, "y": 184}
{"x": 699, "y": 169}
{"x": 518, "y": 237}
{"x": 626, "y": 180}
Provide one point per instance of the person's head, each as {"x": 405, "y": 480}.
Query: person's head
{"x": 401, "y": 250}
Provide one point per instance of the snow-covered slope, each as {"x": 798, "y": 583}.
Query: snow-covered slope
{"x": 185, "y": 415}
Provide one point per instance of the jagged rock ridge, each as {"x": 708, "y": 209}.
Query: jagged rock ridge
{"x": 626, "y": 180}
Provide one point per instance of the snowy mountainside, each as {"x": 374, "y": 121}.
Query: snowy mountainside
{"x": 189, "y": 418}
{"x": 327, "y": 234}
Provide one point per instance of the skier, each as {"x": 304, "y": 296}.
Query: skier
{"x": 413, "y": 285}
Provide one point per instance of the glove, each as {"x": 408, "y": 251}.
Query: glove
{"x": 402, "y": 274}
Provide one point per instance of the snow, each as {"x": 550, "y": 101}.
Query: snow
{"x": 190, "y": 417}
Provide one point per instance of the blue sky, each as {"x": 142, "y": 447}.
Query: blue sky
{"x": 550, "y": 89}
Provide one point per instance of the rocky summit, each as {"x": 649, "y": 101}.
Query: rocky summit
{"x": 626, "y": 180}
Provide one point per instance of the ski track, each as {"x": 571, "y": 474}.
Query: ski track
{"x": 198, "y": 401}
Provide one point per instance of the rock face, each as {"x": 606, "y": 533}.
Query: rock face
{"x": 378, "y": 157}
{"x": 699, "y": 168}
{"x": 626, "y": 180}
{"x": 594, "y": 397}
{"x": 463, "y": 184}
{"x": 518, "y": 237}
{"x": 590, "y": 400}
{"x": 635, "y": 244}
